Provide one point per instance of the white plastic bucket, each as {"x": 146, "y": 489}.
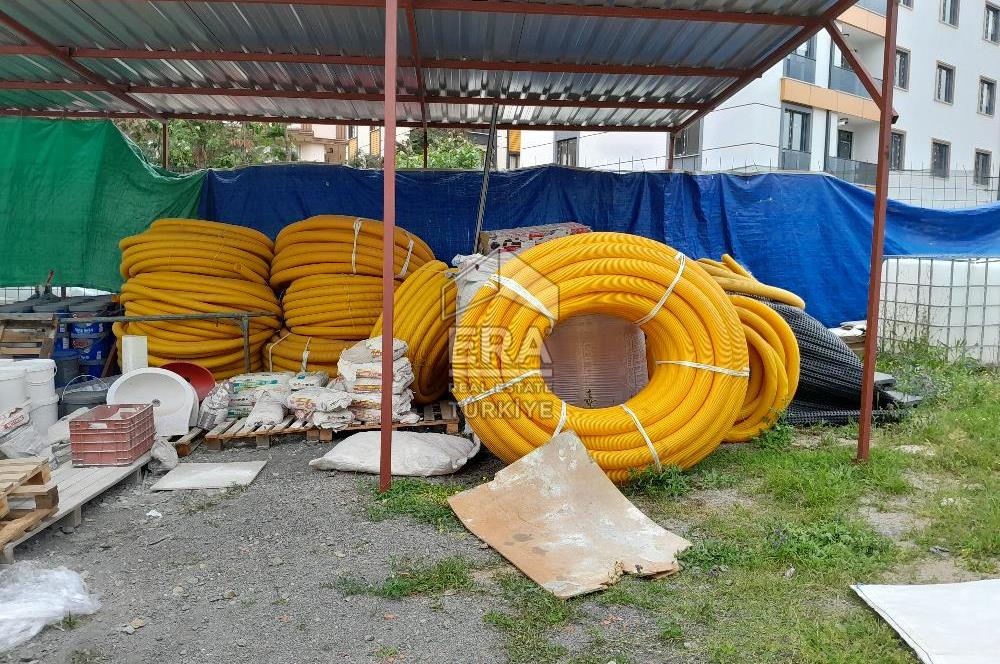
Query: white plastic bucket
{"x": 13, "y": 387}
{"x": 40, "y": 377}
{"x": 45, "y": 413}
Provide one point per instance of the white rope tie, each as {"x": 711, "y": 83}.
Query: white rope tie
{"x": 649, "y": 443}
{"x": 742, "y": 373}
{"x": 354, "y": 250}
{"x": 682, "y": 260}
{"x": 406, "y": 263}
{"x": 499, "y": 388}
{"x": 526, "y": 295}
{"x": 305, "y": 354}
{"x": 562, "y": 420}
{"x": 270, "y": 350}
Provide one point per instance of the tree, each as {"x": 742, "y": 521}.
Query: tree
{"x": 199, "y": 144}
{"x": 446, "y": 148}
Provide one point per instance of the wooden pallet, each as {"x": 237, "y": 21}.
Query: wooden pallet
{"x": 443, "y": 414}
{"x": 27, "y": 335}
{"x": 27, "y": 482}
{"x": 187, "y": 443}
{"x": 76, "y": 486}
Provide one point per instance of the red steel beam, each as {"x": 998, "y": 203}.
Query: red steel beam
{"x": 800, "y": 37}
{"x": 348, "y": 96}
{"x": 388, "y": 240}
{"x": 55, "y": 52}
{"x": 537, "y": 8}
{"x": 878, "y": 232}
{"x": 871, "y": 87}
{"x": 411, "y": 24}
{"x": 370, "y": 122}
{"x": 359, "y": 60}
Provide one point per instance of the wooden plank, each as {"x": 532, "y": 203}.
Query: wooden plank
{"x": 23, "y": 336}
{"x": 77, "y": 486}
{"x": 4, "y": 507}
{"x": 31, "y": 317}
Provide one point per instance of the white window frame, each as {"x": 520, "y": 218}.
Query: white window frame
{"x": 906, "y": 52}
{"x": 975, "y": 167}
{"x": 950, "y": 89}
{"x": 956, "y": 9}
{"x": 992, "y": 85}
{"x": 947, "y": 162}
{"x": 990, "y": 7}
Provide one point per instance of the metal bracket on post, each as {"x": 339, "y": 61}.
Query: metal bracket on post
{"x": 245, "y": 330}
{"x": 491, "y": 142}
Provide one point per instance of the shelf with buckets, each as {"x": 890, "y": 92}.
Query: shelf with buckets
{"x": 81, "y": 346}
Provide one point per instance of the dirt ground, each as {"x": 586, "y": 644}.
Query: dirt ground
{"x": 248, "y": 576}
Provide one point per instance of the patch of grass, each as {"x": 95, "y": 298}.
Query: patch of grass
{"x": 967, "y": 521}
{"x": 668, "y": 482}
{"x": 70, "y": 622}
{"x": 386, "y": 653}
{"x": 533, "y": 611}
{"x": 669, "y": 631}
{"x": 713, "y": 554}
{"x": 776, "y": 439}
{"x": 448, "y": 574}
{"x": 830, "y": 545}
{"x": 91, "y": 656}
{"x": 713, "y": 478}
{"x": 347, "y": 585}
{"x": 419, "y": 499}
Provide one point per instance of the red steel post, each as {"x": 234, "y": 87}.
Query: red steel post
{"x": 878, "y": 230}
{"x": 388, "y": 241}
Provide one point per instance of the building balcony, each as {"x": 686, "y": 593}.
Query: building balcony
{"x": 857, "y": 172}
{"x": 794, "y": 160}
{"x": 800, "y": 68}
{"x": 845, "y": 80}
{"x": 875, "y": 6}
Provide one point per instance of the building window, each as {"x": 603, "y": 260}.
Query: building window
{"x": 795, "y": 130}
{"x": 567, "y": 151}
{"x": 375, "y": 142}
{"x": 807, "y": 50}
{"x": 991, "y": 24}
{"x": 982, "y": 172}
{"x": 902, "y": 69}
{"x": 944, "y": 83}
{"x": 687, "y": 143}
{"x": 940, "y": 159}
{"x": 513, "y": 160}
{"x": 352, "y": 131}
{"x": 949, "y": 12}
{"x": 897, "y": 149}
{"x": 906, "y": 3}
{"x": 845, "y": 144}
{"x": 987, "y": 96}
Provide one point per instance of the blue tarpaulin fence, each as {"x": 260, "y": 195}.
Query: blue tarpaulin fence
{"x": 808, "y": 233}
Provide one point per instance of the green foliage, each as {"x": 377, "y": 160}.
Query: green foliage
{"x": 713, "y": 554}
{"x": 195, "y": 144}
{"x": 828, "y": 545}
{"x": 534, "y": 610}
{"x": 670, "y": 482}
{"x": 408, "y": 579}
{"x": 422, "y": 500}
{"x": 776, "y": 439}
{"x": 446, "y": 148}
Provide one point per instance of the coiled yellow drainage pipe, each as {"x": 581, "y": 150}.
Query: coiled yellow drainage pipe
{"x": 696, "y": 389}
{"x": 424, "y": 314}
{"x": 734, "y": 278}
{"x": 774, "y": 368}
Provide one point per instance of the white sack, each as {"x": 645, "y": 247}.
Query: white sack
{"x": 309, "y": 399}
{"x": 413, "y": 454}
{"x": 374, "y": 347}
{"x": 269, "y": 410}
{"x": 308, "y": 379}
{"x": 358, "y": 362}
{"x": 337, "y": 420}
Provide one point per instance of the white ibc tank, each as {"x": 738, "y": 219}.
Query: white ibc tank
{"x": 949, "y": 302}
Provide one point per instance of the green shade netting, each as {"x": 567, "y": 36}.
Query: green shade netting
{"x": 69, "y": 191}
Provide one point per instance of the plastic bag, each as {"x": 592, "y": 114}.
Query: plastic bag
{"x": 414, "y": 454}
{"x": 33, "y": 597}
{"x": 269, "y": 410}
{"x": 25, "y": 441}
{"x": 336, "y": 420}
{"x": 318, "y": 398}
{"x": 164, "y": 457}
{"x": 14, "y": 418}
{"x": 215, "y": 407}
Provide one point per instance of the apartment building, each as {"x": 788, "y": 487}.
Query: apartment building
{"x": 811, "y": 113}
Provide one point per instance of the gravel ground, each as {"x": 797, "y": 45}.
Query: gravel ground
{"x": 245, "y": 577}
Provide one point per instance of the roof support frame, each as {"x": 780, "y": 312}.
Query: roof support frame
{"x": 871, "y": 87}
{"x": 54, "y": 51}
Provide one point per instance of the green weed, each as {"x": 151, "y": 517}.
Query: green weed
{"x": 419, "y": 499}
{"x": 447, "y": 574}
{"x": 668, "y": 482}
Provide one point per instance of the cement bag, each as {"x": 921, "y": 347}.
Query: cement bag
{"x": 413, "y": 454}
{"x": 305, "y": 379}
{"x": 336, "y": 420}
{"x": 13, "y": 419}
{"x": 374, "y": 415}
{"x": 358, "y": 362}
{"x": 311, "y": 399}
{"x": 374, "y": 347}
{"x": 400, "y": 402}
{"x": 25, "y": 442}
{"x": 252, "y": 381}
{"x": 269, "y": 410}
{"x": 402, "y": 378}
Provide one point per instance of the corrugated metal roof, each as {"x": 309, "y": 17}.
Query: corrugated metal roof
{"x": 444, "y": 34}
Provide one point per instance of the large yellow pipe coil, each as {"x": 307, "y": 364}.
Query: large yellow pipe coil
{"x": 696, "y": 389}
{"x": 340, "y": 306}
{"x": 774, "y": 368}
{"x": 287, "y": 350}
{"x": 734, "y": 278}
{"x": 424, "y": 313}
{"x": 184, "y": 266}
{"x": 336, "y": 244}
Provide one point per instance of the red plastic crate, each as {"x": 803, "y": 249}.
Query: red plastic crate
{"x": 114, "y": 435}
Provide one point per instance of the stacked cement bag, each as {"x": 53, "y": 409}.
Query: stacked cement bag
{"x": 329, "y": 268}
{"x": 360, "y": 369}
{"x": 186, "y": 266}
